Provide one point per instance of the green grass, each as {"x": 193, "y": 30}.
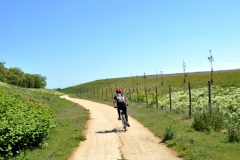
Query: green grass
{"x": 103, "y": 88}
{"x": 65, "y": 137}
{"x": 189, "y": 143}
{"x": 70, "y": 118}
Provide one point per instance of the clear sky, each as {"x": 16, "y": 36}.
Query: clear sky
{"x": 77, "y": 41}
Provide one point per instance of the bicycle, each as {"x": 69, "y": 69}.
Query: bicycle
{"x": 124, "y": 121}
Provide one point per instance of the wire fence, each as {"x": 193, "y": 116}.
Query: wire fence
{"x": 149, "y": 97}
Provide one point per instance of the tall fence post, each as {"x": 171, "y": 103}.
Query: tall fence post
{"x": 146, "y": 95}
{"x": 97, "y": 93}
{"x": 102, "y": 93}
{"x": 112, "y": 93}
{"x": 190, "y": 100}
{"x": 130, "y": 95}
{"x": 209, "y": 98}
{"x": 156, "y": 97}
{"x": 137, "y": 95}
{"x": 170, "y": 97}
{"x": 106, "y": 93}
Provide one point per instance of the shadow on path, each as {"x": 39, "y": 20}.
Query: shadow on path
{"x": 115, "y": 130}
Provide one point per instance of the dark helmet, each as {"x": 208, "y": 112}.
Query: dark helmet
{"x": 118, "y": 90}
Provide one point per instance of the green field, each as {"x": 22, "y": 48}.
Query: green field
{"x": 189, "y": 143}
{"x": 70, "y": 122}
{"x": 224, "y": 79}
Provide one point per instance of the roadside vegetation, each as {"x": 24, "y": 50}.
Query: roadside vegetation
{"x": 38, "y": 124}
{"x": 204, "y": 135}
{"x": 17, "y": 77}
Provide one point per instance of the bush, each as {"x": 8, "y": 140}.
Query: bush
{"x": 22, "y": 124}
{"x": 204, "y": 121}
{"x": 233, "y": 133}
{"x": 168, "y": 133}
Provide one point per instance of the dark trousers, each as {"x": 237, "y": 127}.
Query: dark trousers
{"x": 124, "y": 109}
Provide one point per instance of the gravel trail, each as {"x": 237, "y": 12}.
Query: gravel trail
{"x": 106, "y": 139}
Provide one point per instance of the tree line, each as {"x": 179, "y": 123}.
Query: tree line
{"x": 15, "y": 76}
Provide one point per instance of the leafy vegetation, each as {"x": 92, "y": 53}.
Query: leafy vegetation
{"x": 68, "y": 118}
{"x": 216, "y": 139}
{"x": 17, "y": 77}
{"x": 23, "y": 124}
{"x": 168, "y": 134}
{"x": 207, "y": 135}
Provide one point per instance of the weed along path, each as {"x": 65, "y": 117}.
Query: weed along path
{"x": 106, "y": 139}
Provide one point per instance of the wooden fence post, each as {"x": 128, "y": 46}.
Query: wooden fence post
{"x": 130, "y": 95}
{"x": 156, "y": 97}
{"x": 111, "y": 93}
{"x": 137, "y": 95}
{"x": 146, "y": 95}
{"x": 97, "y": 93}
{"x": 209, "y": 98}
{"x": 102, "y": 93}
{"x": 190, "y": 100}
{"x": 106, "y": 93}
{"x": 170, "y": 97}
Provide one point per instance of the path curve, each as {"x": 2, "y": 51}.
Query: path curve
{"x": 106, "y": 139}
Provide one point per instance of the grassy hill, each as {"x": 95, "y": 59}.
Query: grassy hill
{"x": 189, "y": 143}
{"x": 69, "y": 118}
{"x": 211, "y": 143}
{"x": 223, "y": 78}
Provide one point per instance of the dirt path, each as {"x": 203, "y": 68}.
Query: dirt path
{"x": 106, "y": 139}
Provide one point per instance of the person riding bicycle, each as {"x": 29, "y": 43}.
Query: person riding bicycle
{"x": 121, "y": 102}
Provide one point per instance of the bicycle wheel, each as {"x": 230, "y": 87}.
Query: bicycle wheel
{"x": 124, "y": 122}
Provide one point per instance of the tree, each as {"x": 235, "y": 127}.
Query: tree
{"x": 29, "y": 81}
{"x": 133, "y": 81}
{"x": 156, "y": 75}
{"x": 184, "y": 75}
{"x": 161, "y": 76}
{"x": 137, "y": 80}
{"x": 16, "y": 76}
{"x": 211, "y": 60}
{"x": 3, "y": 72}
{"x": 39, "y": 81}
{"x": 144, "y": 78}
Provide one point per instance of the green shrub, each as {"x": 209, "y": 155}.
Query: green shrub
{"x": 233, "y": 133}
{"x": 168, "y": 133}
{"x": 22, "y": 124}
{"x": 205, "y": 121}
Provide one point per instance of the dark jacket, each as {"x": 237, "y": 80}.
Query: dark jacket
{"x": 120, "y": 102}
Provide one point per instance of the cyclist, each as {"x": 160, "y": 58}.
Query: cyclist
{"x": 121, "y": 102}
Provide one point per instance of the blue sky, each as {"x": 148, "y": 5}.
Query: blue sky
{"x": 77, "y": 41}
